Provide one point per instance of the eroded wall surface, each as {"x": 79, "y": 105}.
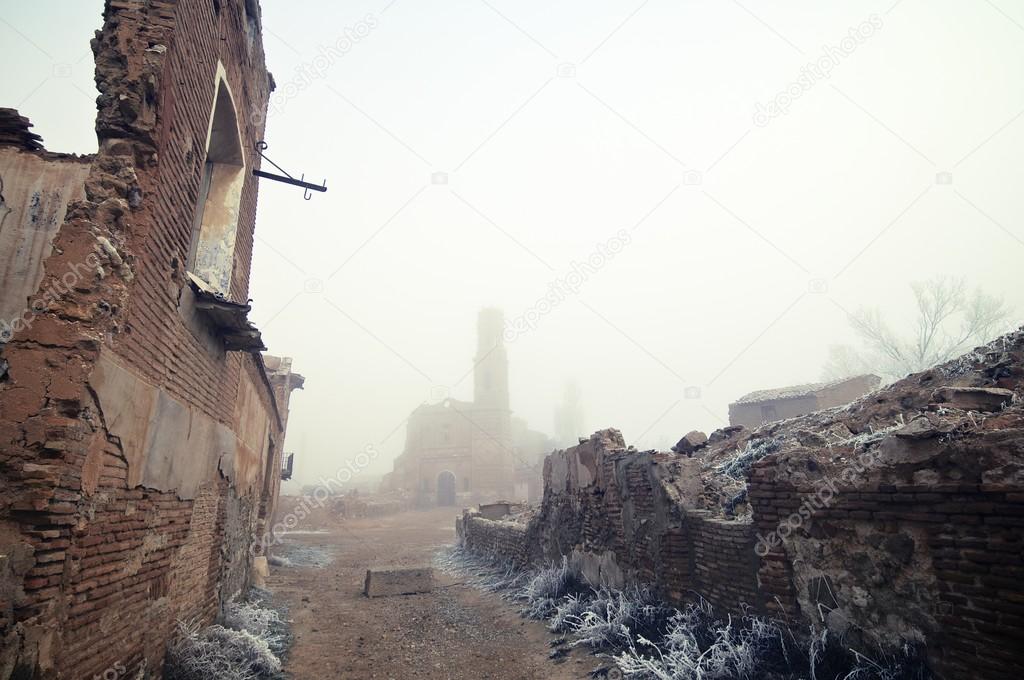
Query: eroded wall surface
{"x": 621, "y": 518}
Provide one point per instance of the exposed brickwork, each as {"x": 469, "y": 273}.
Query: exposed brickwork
{"x": 101, "y": 568}
{"x": 911, "y": 534}
{"x": 970, "y": 602}
{"x": 605, "y": 507}
{"x": 503, "y": 539}
{"x": 724, "y": 564}
{"x": 155, "y": 342}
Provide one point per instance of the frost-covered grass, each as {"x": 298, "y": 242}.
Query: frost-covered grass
{"x": 613, "y": 618}
{"x": 697, "y": 645}
{"x": 263, "y": 622}
{"x": 737, "y": 466}
{"x": 546, "y": 588}
{"x": 570, "y": 609}
{"x": 648, "y": 640}
{"x": 495, "y": 576}
{"x": 219, "y": 652}
{"x": 871, "y": 436}
{"x": 248, "y": 645}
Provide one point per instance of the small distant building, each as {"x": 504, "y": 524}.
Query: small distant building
{"x": 767, "y": 406}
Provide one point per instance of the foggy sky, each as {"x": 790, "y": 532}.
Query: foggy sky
{"x": 563, "y": 125}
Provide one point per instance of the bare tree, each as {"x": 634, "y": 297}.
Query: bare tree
{"x": 950, "y": 320}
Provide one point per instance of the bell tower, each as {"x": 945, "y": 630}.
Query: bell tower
{"x": 490, "y": 372}
{"x": 493, "y": 465}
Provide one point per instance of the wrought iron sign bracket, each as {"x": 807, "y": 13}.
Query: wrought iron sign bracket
{"x": 261, "y": 146}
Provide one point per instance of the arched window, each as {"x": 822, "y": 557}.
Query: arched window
{"x": 212, "y": 253}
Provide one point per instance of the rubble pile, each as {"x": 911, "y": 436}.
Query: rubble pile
{"x": 980, "y": 391}
{"x": 892, "y": 522}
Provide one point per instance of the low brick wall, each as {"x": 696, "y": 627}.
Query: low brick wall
{"x": 605, "y": 508}
{"x": 502, "y": 539}
{"x": 856, "y": 542}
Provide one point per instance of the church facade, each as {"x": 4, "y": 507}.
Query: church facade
{"x": 461, "y": 452}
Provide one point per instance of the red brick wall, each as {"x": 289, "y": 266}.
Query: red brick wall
{"x": 155, "y": 341}
{"x": 724, "y": 569}
{"x": 101, "y": 572}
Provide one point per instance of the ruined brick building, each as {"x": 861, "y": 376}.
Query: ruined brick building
{"x": 141, "y": 428}
{"x": 465, "y": 452}
{"x": 768, "y": 406}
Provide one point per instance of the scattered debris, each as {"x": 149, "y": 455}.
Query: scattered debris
{"x": 279, "y": 561}
{"x": 691, "y": 443}
{"x": 988, "y": 399}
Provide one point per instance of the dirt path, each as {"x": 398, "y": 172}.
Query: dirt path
{"x": 454, "y": 632}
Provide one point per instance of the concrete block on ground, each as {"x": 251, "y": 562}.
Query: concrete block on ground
{"x": 388, "y": 581}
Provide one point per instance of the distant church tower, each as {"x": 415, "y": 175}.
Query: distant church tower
{"x": 569, "y": 416}
{"x": 491, "y": 431}
{"x": 490, "y": 375}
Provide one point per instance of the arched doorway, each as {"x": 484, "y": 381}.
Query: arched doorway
{"x": 446, "y": 488}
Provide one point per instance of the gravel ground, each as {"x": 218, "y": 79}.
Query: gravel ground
{"x": 453, "y": 632}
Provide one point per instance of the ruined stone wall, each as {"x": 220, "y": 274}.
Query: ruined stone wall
{"x": 898, "y": 519}
{"x": 606, "y": 507}
{"x": 724, "y": 565}
{"x": 929, "y": 550}
{"x": 133, "y": 449}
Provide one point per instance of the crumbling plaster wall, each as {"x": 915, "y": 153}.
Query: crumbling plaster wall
{"x": 114, "y": 539}
{"x": 172, "y": 446}
{"x": 36, "y": 190}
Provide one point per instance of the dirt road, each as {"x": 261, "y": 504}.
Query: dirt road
{"x": 454, "y": 632}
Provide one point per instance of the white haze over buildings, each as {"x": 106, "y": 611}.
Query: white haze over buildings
{"x": 559, "y": 126}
